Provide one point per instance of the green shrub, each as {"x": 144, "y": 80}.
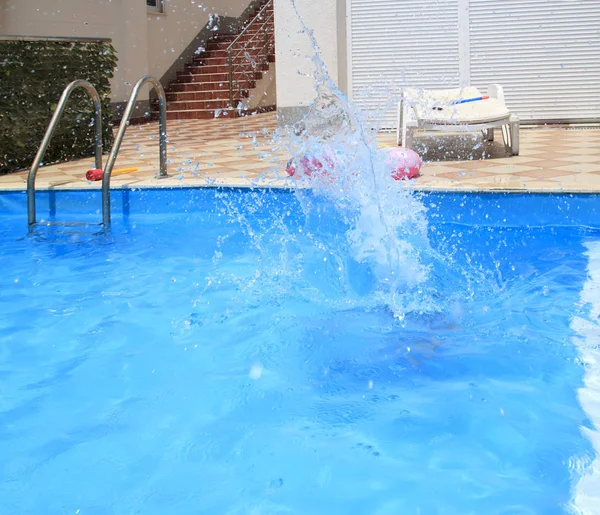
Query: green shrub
{"x": 33, "y": 75}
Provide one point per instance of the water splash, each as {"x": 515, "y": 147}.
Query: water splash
{"x": 335, "y": 156}
{"x": 356, "y": 240}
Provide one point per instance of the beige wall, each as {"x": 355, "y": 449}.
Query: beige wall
{"x": 169, "y": 34}
{"x": 122, "y": 20}
{"x": 145, "y": 42}
{"x": 264, "y": 94}
{"x": 295, "y": 70}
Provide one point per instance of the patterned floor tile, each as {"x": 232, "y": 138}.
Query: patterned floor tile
{"x": 580, "y": 167}
{"x": 542, "y": 173}
{"x": 581, "y": 158}
{"x": 242, "y": 152}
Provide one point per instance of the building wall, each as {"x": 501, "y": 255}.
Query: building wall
{"x": 545, "y": 54}
{"x": 170, "y": 34}
{"x": 294, "y": 52}
{"x": 145, "y": 42}
{"x": 342, "y": 44}
{"x": 265, "y": 93}
{"x": 124, "y": 21}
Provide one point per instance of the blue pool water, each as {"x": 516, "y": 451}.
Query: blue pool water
{"x": 220, "y": 353}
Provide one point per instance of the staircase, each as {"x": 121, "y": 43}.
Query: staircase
{"x": 218, "y": 82}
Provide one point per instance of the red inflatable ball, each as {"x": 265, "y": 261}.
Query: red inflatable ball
{"x": 95, "y": 174}
{"x": 404, "y": 163}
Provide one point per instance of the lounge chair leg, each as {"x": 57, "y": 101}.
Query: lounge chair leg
{"x": 489, "y": 134}
{"x": 399, "y": 131}
{"x": 402, "y": 136}
{"x": 506, "y": 138}
{"x": 403, "y": 132}
{"x": 410, "y": 136}
{"x": 514, "y": 134}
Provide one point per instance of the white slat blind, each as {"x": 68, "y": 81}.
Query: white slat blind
{"x": 546, "y": 54}
{"x": 396, "y": 43}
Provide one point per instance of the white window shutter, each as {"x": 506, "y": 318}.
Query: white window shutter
{"x": 546, "y": 54}
{"x": 395, "y": 43}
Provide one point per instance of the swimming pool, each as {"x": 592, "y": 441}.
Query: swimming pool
{"x": 215, "y": 355}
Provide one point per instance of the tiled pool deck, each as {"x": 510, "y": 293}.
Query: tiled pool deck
{"x": 241, "y": 152}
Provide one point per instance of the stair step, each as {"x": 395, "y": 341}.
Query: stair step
{"x": 250, "y": 33}
{"x": 240, "y": 45}
{"x": 200, "y": 114}
{"x": 223, "y": 57}
{"x": 256, "y": 12}
{"x": 205, "y": 69}
{"x": 244, "y": 66}
{"x": 206, "y": 86}
{"x": 201, "y": 105}
{"x": 222, "y": 37}
{"x": 202, "y": 89}
{"x": 256, "y": 54}
{"x": 247, "y": 39}
{"x": 222, "y": 52}
{"x": 186, "y": 77}
{"x": 209, "y": 61}
{"x": 259, "y": 27}
{"x": 269, "y": 28}
{"x": 218, "y": 61}
{"x": 191, "y": 96}
{"x": 258, "y": 36}
{"x": 269, "y": 10}
{"x": 213, "y": 54}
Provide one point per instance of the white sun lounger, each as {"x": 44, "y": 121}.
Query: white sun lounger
{"x": 433, "y": 110}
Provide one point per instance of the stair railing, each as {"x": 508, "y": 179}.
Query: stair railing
{"x": 114, "y": 151}
{"x": 62, "y": 103}
{"x": 245, "y": 60}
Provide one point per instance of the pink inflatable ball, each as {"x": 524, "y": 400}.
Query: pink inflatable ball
{"x": 310, "y": 166}
{"x": 404, "y": 163}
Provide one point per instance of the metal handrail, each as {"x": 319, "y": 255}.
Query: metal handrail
{"x": 31, "y": 215}
{"x": 258, "y": 16}
{"x": 266, "y": 42}
{"x": 114, "y": 151}
{"x": 241, "y": 50}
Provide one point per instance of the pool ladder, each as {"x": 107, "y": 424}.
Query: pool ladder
{"x": 114, "y": 151}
